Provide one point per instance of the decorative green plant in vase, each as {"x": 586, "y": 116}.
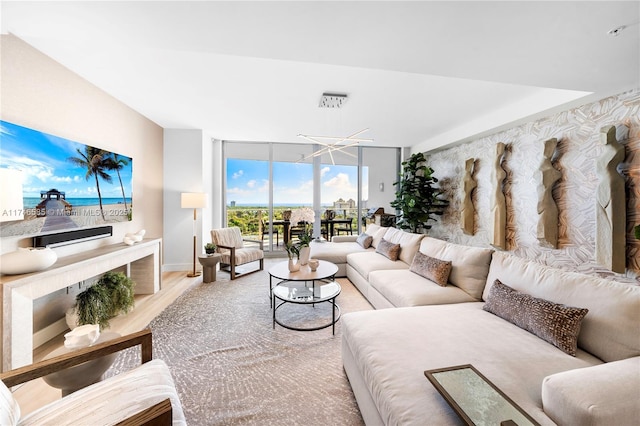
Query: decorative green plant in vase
{"x": 210, "y": 248}
{"x": 416, "y": 197}
{"x": 110, "y": 296}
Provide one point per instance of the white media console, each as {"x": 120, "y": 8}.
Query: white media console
{"x": 19, "y": 291}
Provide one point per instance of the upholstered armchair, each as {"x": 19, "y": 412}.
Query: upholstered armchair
{"x": 145, "y": 395}
{"x": 234, "y": 252}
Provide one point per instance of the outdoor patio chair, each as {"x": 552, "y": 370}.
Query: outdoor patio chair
{"x": 346, "y": 228}
{"x": 264, "y": 230}
{"x": 234, "y": 252}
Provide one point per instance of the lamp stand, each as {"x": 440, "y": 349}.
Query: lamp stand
{"x": 194, "y": 273}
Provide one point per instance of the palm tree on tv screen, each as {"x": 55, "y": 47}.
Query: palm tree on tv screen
{"x": 95, "y": 161}
{"x": 116, "y": 163}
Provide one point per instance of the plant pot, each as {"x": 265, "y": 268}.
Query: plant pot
{"x": 71, "y": 317}
{"x": 304, "y": 255}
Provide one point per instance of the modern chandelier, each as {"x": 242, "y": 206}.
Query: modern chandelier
{"x": 331, "y": 144}
{"x": 337, "y": 146}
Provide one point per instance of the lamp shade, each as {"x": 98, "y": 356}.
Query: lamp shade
{"x": 193, "y": 200}
{"x": 11, "y": 201}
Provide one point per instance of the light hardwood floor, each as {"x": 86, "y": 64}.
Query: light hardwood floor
{"x": 37, "y": 393}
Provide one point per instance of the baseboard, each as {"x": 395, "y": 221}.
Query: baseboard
{"x": 41, "y": 337}
{"x": 177, "y": 267}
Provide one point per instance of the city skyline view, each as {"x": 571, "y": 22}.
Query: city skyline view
{"x": 248, "y": 183}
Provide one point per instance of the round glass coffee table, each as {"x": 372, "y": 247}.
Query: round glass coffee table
{"x": 304, "y": 287}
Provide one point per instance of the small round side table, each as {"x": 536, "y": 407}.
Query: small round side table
{"x": 209, "y": 264}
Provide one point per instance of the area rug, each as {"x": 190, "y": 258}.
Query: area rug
{"x": 231, "y": 367}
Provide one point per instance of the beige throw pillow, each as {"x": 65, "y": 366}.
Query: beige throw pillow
{"x": 431, "y": 268}
{"x": 387, "y": 249}
{"x": 364, "y": 240}
{"x": 555, "y": 323}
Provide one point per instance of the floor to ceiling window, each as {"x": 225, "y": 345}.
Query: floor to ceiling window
{"x": 264, "y": 180}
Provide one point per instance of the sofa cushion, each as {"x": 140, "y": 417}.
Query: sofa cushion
{"x": 404, "y": 288}
{"x": 469, "y": 265}
{"x": 388, "y": 249}
{"x": 555, "y": 323}
{"x": 377, "y": 232}
{"x": 431, "y": 268}
{"x": 367, "y": 261}
{"x": 409, "y": 243}
{"x": 611, "y": 330}
{"x": 114, "y": 399}
{"x": 393, "y": 348}
{"x": 364, "y": 240}
{"x": 606, "y": 394}
{"x": 9, "y": 408}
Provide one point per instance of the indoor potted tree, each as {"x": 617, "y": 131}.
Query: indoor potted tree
{"x": 110, "y": 296}
{"x": 416, "y": 198}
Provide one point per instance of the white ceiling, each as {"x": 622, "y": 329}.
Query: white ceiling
{"x": 422, "y": 73}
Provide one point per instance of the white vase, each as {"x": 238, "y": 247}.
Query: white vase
{"x": 304, "y": 255}
{"x": 294, "y": 266}
{"x": 25, "y": 260}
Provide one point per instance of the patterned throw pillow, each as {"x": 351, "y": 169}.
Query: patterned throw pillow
{"x": 388, "y": 249}
{"x": 555, "y": 323}
{"x": 364, "y": 240}
{"x": 431, "y": 268}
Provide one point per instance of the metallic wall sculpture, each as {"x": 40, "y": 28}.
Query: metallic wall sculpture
{"x": 574, "y": 194}
{"x": 611, "y": 217}
{"x": 498, "y": 201}
{"x": 467, "y": 215}
{"x": 547, "y": 208}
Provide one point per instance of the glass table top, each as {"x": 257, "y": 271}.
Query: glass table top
{"x": 301, "y": 292}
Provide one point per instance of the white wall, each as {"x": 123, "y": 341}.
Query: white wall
{"x": 187, "y": 168}
{"x": 41, "y": 94}
{"x": 578, "y": 131}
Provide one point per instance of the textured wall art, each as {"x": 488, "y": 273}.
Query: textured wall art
{"x": 547, "y": 208}
{"x": 467, "y": 215}
{"x": 498, "y": 200}
{"x": 611, "y": 217}
{"x": 575, "y": 193}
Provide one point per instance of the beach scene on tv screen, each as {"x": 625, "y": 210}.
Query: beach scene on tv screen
{"x": 65, "y": 185}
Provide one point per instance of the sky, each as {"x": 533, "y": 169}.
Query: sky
{"x": 43, "y": 159}
{"x": 248, "y": 183}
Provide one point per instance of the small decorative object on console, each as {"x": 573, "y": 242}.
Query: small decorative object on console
{"x": 130, "y": 239}
{"x": 82, "y": 336}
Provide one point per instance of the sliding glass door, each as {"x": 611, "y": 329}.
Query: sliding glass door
{"x": 263, "y": 181}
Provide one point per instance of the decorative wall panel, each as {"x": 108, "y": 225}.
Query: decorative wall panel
{"x": 578, "y": 130}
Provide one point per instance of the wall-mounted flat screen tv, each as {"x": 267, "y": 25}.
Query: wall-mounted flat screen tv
{"x": 51, "y": 184}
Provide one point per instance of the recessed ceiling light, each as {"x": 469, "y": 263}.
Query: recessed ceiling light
{"x": 616, "y": 31}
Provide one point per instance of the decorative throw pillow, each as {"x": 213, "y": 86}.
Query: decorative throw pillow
{"x": 555, "y": 323}
{"x": 431, "y": 268}
{"x": 364, "y": 240}
{"x": 387, "y": 249}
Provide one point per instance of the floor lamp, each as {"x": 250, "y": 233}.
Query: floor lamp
{"x": 193, "y": 200}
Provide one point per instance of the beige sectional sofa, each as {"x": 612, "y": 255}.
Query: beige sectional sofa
{"x": 385, "y": 352}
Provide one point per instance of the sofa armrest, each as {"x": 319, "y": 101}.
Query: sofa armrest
{"x": 61, "y": 362}
{"x": 604, "y": 394}
{"x": 344, "y": 238}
